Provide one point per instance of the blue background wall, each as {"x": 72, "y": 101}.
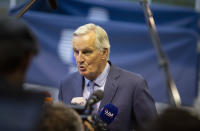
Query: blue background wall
{"x": 131, "y": 47}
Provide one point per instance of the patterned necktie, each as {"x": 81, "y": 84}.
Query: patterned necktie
{"x": 91, "y": 87}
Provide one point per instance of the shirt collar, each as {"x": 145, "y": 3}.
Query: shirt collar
{"x": 100, "y": 80}
{"x": 86, "y": 81}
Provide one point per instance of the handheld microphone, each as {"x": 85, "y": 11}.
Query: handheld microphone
{"x": 53, "y": 4}
{"x": 78, "y": 101}
{"x": 108, "y": 113}
{"x": 93, "y": 99}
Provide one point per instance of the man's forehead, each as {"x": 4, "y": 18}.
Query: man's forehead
{"x": 83, "y": 42}
{"x": 83, "y": 48}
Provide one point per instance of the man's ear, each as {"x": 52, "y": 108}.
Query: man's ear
{"x": 105, "y": 54}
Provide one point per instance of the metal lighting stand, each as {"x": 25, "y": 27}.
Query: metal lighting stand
{"x": 174, "y": 97}
{"x": 25, "y": 9}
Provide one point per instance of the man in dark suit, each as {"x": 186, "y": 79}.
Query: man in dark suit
{"x": 125, "y": 90}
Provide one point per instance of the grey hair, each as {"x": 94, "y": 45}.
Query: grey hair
{"x": 102, "y": 41}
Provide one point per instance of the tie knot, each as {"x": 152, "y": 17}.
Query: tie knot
{"x": 90, "y": 84}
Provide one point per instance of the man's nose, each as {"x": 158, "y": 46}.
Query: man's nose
{"x": 80, "y": 57}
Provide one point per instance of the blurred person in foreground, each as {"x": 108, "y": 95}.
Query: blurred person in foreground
{"x": 17, "y": 48}
{"x": 174, "y": 119}
{"x": 126, "y": 90}
{"x": 59, "y": 117}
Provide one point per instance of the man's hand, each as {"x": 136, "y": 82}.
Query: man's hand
{"x": 88, "y": 126}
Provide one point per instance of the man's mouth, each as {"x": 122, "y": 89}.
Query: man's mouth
{"x": 82, "y": 68}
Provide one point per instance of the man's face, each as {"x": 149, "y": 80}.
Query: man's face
{"x": 90, "y": 61}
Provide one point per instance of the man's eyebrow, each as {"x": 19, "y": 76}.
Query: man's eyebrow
{"x": 87, "y": 49}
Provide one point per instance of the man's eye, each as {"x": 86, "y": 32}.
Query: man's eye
{"x": 87, "y": 52}
{"x": 75, "y": 51}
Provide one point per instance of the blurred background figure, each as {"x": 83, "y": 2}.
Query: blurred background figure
{"x": 175, "y": 119}
{"x": 59, "y": 117}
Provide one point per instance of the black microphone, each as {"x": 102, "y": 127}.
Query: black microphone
{"x": 53, "y": 4}
{"x": 93, "y": 99}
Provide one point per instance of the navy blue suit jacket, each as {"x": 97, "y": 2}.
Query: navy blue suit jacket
{"x": 127, "y": 91}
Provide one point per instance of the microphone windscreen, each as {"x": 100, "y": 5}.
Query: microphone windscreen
{"x": 53, "y": 4}
{"x": 78, "y": 101}
{"x": 108, "y": 113}
{"x": 99, "y": 94}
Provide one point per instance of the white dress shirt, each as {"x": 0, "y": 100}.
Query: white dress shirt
{"x": 99, "y": 84}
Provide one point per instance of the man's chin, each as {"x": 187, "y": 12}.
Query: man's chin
{"x": 83, "y": 73}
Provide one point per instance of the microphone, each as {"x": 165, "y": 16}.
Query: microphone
{"x": 106, "y": 116}
{"x": 78, "y": 101}
{"x": 93, "y": 99}
{"x": 108, "y": 113}
{"x": 53, "y": 4}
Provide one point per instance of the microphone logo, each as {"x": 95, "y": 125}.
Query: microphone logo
{"x": 108, "y": 113}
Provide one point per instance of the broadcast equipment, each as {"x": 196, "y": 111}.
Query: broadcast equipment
{"x": 174, "y": 97}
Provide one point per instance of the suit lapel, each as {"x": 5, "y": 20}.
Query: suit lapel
{"x": 111, "y": 86}
{"x": 78, "y": 86}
